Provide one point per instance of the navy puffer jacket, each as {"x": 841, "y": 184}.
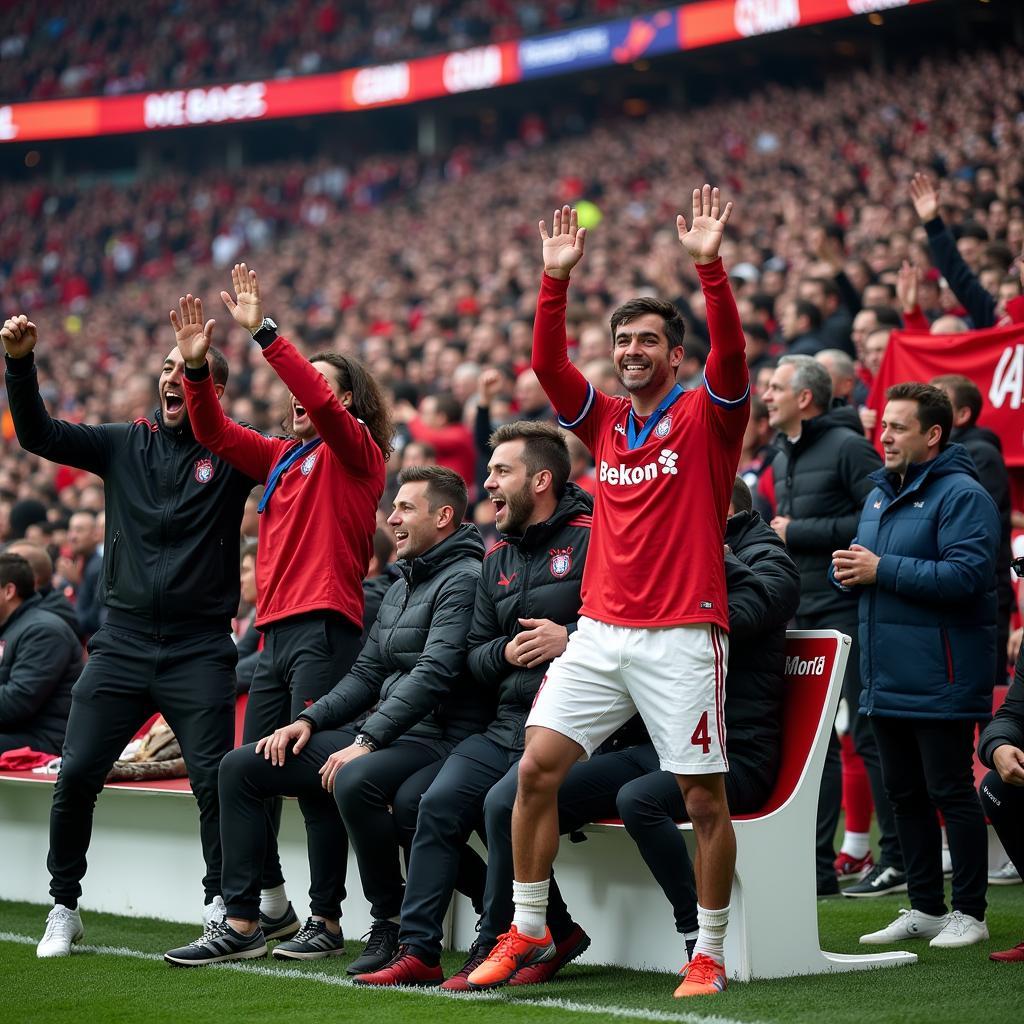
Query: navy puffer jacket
{"x": 928, "y": 625}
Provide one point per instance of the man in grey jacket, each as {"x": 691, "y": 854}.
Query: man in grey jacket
{"x": 412, "y": 673}
{"x": 40, "y": 659}
{"x": 821, "y": 467}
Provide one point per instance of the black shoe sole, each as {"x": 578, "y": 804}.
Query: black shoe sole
{"x": 320, "y": 954}
{"x": 231, "y": 958}
{"x": 890, "y": 891}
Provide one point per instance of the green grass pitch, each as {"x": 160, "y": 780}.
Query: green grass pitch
{"x": 130, "y": 984}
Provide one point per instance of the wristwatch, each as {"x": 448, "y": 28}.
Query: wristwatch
{"x": 362, "y": 740}
{"x": 266, "y": 332}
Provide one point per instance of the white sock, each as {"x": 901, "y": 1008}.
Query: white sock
{"x": 531, "y": 900}
{"x": 274, "y": 902}
{"x": 856, "y": 844}
{"x": 711, "y": 938}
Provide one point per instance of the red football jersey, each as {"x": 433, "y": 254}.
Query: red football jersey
{"x": 656, "y": 556}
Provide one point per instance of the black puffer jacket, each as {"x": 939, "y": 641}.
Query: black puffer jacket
{"x": 173, "y": 512}
{"x": 536, "y": 576}
{"x": 821, "y": 482}
{"x": 414, "y": 661}
{"x": 764, "y": 591}
{"x": 42, "y": 658}
{"x": 1007, "y": 725}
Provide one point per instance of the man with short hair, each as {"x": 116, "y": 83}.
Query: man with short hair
{"x": 412, "y": 674}
{"x": 800, "y": 323}
{"x": 439, "y": 424}
{"x": 820, "y": 473}
{"x": 526, "y": 609}
{"x": 986, "y": 451}
{"x": 41, "y": 659}
{"x": 923, "y": 565}
{"x": 173, "y": 512}
{"x": 84, "y": 545}
{"x": 647, "y": 640}
{"x": 846, "y": 388}
{"x": 51, "y": 599}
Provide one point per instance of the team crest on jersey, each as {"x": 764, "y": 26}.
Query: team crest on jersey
{"x": 204, "y": 471}
{"x": 561, "y": 562}
{"x": 663, "y": 427}
{"x": 307, "y": 464}
{"x": 620, "y": 429}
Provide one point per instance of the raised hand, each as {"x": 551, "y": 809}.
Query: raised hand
{"x": 704, "y": 236}
{"x": 192, "y": 335}
{"x": 247, "y": 306}
{"x": 925, "y": 197}
{"x": 907, "y": 280}
{"x": 19, "y": 336}
{"x": 488, "y": 385}
{"x": 563, "y": 248}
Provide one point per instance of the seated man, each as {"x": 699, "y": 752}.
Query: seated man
{"x": 412, "y": 672}
{"x": 1001, "y": 747}
{"x": 526, "y": 609}
{"x": 763, "y": 590}
{"x": 40, "y": 659}
{"x": 51, "y": 599}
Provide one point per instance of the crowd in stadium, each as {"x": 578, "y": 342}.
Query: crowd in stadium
{"x": 50, "y": 50}
{"x": 859, "y": 211}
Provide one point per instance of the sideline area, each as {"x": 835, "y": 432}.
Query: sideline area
{"x": 945, "y": 987}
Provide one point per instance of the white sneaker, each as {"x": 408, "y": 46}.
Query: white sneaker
{"x": 1005, "y": 875}
{"x": 63, "y": 930}
{"x": 911, "y": 924}
{"x": 960, "y": 930}
{"x": 214, "y": 912}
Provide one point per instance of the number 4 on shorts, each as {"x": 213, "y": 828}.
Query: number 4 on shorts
{"x": 700, "y": 737}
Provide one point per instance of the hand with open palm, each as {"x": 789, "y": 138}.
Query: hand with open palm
{"x": 247, "y": 306}
{"x": 192, "y": 336}
{"x": 563, "y": 248}
{"x": 704, "y": 237}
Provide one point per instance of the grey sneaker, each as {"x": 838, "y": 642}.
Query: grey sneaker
{"x": 313, "y": 942}
{"x": 880, "y": 881}
{"x": 220, "y": 942}
{"x": 63, "y": 930}
{"x": 1005, "y": 875}
{"x": 283, "y": 927}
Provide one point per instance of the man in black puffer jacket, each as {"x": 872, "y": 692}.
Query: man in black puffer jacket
{"x": 527, "y": 605}
{"x": 764, "y": 590}
{"x": 412, "y": 674}
{"x": 821, "y": 467}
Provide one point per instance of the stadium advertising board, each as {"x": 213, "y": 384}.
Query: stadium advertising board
{"x": 622, "y": 41}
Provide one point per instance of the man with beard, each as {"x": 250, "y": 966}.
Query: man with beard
{"x": 173, "y": 512}
{"x": 526, "y": 609}
{"x": 652, "y": 630}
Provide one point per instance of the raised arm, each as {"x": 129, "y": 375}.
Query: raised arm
{"x": 73, "y": 444}
{"x": 249, "y": 452}
{"x": 342, "y": 432}
{"x": 725, "y": 374}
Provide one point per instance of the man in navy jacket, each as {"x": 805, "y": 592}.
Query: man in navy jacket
{"x": 924, "y": 563}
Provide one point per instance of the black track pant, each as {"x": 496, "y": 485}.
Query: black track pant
{"x": 1003, "y": 805}
{"x": 128, "y": 677}
{"x": 301, "y": 660}
{"x": 830, "y": 798}
{"x": 366, "y": 787}
{"x": 928, "y": 765}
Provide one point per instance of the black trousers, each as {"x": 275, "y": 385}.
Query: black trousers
{"x": 301, "y": 660}
{"x": 127, "y": 678}
{"x": 830, "y": 796}
{"x": 1003, "y": 805}
{"x": 928, "y": 765}
{"x": 37, "y": 741}
{"x": 651, "y": 805}
{"x": 364, "y": 789}
{"x": 449, "y": 811}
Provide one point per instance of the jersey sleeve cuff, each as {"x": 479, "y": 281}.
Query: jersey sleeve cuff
{"x": 588, "y": 404}
{"x": 197, "y": 373}
{"x": 727, "y": 403}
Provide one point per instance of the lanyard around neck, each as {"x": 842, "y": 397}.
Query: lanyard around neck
{"x": 276, "y": 473}
{"x": 636, "y": 440}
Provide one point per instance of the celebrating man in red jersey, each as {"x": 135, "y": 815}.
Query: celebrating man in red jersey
{"x": 651, "y": 634}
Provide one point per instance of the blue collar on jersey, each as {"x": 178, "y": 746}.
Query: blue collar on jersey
{"x": 637, "y": 440}
{"x": 277, "y": 472}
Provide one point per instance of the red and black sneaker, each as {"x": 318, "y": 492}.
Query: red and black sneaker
{"x": 406, "y": 969}
{"x": 457, "y": 982}
{"x": 573, "y": 945}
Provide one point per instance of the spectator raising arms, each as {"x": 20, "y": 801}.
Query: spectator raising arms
{"x": 317, "y": 519}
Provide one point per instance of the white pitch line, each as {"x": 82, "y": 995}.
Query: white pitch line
{"x": 292, "y": 974}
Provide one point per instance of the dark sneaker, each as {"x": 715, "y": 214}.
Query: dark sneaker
{"x": 283, "y": 927}
{"x": 314, "y": 941}
{"x": 219, "y": 943}
{"x": 573, "y": 945}
{"x": 879, "y": 881}
{"x": 828, "y": 886}
{"x": 381, "y": 948}
{"x": 406, "y": 969}
{"x": 457, "y": 982}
